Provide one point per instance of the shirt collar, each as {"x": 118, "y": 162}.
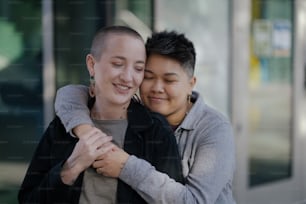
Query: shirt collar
{"x": 189, "y": 122}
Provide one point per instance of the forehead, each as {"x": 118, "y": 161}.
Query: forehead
{"x": 162, "y": 64}
{"x": 123, "y": 44}
{"x": 122, "y": 39}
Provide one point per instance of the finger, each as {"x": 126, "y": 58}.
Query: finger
{"x": 101, "y": 156}
{"x": 101, "y": 133}
{"x": 108, "y": 144}
{"x": 105, "y": 150}
{"x": 106, "y": 147}
{"x": 102, "y": 143}
{"x": 97, "y": 137}
{"x": 98, "y": 164}
{"x": 99, "y": 170}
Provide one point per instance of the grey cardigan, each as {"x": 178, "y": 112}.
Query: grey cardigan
{"x": 206, "y": 145}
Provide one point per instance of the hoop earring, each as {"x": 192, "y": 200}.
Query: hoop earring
{"x": 189, "y": 98}
{"x": 92, "y": 86}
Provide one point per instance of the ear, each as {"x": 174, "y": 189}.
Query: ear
{"x": 192, "y": 82}
{"x": 90, "y": 62}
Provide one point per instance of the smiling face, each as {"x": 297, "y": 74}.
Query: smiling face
{"x": 165, "y": 88}
{"x": 119, "y": 71}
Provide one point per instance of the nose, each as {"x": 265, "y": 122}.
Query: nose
{"x": 158, "y": 86}
{"x": 126, "y": 75}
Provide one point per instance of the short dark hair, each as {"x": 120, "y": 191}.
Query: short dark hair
{"x": 174, "y": 45}
{"x": 101, "y": 35}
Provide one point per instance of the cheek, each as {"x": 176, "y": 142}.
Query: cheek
{"x": 173, "y": 92}
{"x": 184, "y": 88}
{"x": 144, "y": 87}
{"x": 98, "y": 78}
{"x": 138, "y": 80}
{"x": 177, "y": 96}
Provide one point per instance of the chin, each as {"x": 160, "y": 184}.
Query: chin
{"x": 122, "y": 101}
{"x": 158, "y": 110}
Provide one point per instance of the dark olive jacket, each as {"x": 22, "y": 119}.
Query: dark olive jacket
{"x": 148, "y": 136}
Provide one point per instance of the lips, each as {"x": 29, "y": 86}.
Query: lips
{"x": 155, "y": 99}
{"x": 122, "y": 88}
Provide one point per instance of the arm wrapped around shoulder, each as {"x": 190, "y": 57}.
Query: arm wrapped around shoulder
{"x": 71, "y": 106}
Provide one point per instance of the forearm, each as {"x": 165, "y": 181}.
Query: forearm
{"x": 153, "y": 186}
{"x": 209, "y": 176}
{"x": 71, "y": 106}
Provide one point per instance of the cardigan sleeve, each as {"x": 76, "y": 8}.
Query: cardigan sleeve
{"x": 209, "y": 174}
{"x": 71, "y": 106}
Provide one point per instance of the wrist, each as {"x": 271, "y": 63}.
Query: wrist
{"x": 70, "y": 172}
{"x": 81, "y": 129}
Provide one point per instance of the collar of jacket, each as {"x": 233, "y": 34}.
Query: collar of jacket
{"x": 139, "y": 117}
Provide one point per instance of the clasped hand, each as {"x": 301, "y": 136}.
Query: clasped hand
{"x": 95, "y": 149}
{"x": 111, "y": 163}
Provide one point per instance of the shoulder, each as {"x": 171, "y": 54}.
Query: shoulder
{"x": 142, "y": 118}
{"x": 204, "y": 119}
{"x": 212, "y": 119}
{"x": 205, "y": 113}
{"x": 73, "y": 89}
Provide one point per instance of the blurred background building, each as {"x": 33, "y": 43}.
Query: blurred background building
{"x": 251, "y": 63}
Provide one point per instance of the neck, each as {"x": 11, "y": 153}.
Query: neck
{"x": 177, "y": 118}
{"x": 103, "y": 111}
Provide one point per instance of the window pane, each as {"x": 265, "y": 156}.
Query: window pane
{"x": 206, "y": 23}
{"x": 270, "y": 92}
{"x": 21, "y": 91}
{"x": 77, "y": 21}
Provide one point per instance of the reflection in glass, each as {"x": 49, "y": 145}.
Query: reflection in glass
{"x": 77, "y": 21}
{"x": 20, "y": 91}
{"x": 206, "y": 23}
{"x": 270, "y": 92}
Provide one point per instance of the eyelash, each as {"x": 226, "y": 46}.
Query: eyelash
{"x": 117, "y": 64}
{"x": 139, "y": 69}
{"x": 169, "y": 81}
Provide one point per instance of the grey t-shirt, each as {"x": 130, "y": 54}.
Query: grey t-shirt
{"x": 97, "y": 188}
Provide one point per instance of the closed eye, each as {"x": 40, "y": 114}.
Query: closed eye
{"x": 117, "y": 64}
{"x": 139, "y": 68}
{"x": 170, "y": 81}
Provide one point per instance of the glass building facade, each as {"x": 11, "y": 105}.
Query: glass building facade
{"x": 43, "y": 45}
